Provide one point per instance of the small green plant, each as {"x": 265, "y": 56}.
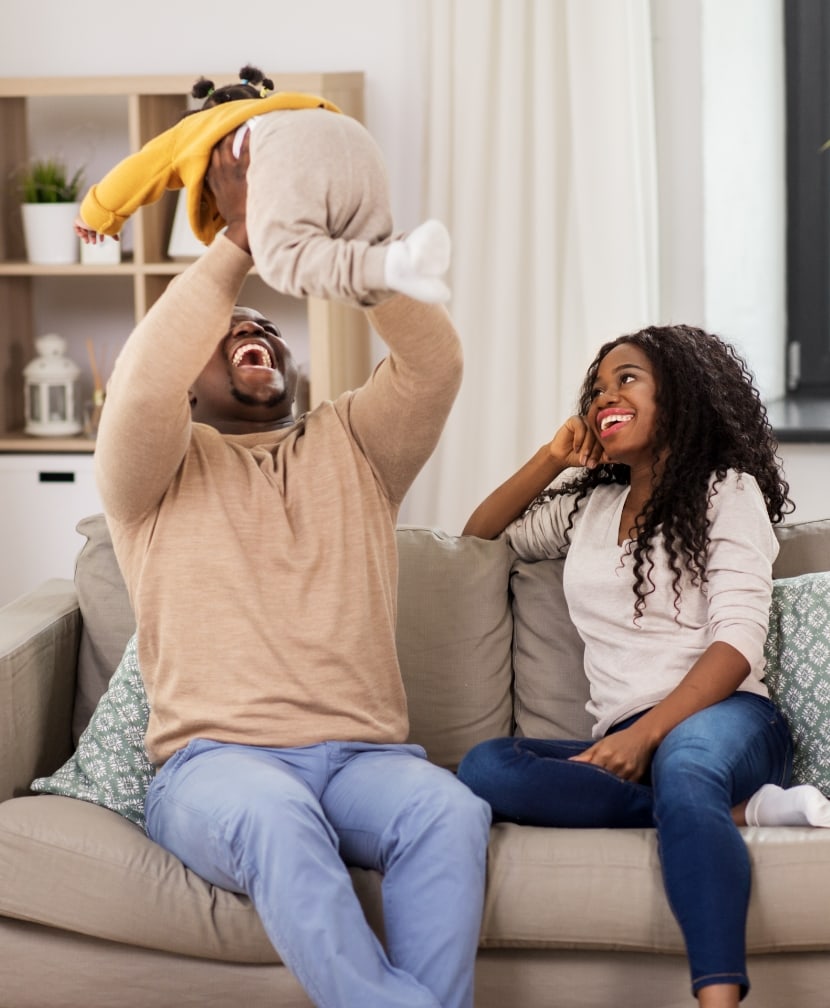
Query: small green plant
{"x": 47, "y": 180}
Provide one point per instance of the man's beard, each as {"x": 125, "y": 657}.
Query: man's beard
{"x": 249, "y": 400}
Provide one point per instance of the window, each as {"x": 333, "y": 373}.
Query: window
{"x": 807, "y": 44}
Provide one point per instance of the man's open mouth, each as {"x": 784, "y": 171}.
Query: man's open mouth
{"x": 252, "y": 355}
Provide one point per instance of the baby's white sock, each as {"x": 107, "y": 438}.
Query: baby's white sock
{"x": 803, "y": 805}
{"x": 415, "y": 265}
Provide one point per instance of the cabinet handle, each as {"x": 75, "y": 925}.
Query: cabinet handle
{"x": 56, "y": 477}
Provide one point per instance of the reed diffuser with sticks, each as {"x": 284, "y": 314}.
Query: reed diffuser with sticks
{"x": 92, "y": 411}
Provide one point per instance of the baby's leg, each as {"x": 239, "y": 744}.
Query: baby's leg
{"x": 319, "y": 221}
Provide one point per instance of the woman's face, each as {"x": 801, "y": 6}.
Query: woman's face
{"x": 623, "y": 411}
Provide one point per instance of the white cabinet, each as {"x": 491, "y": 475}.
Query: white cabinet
{"x": 42, "y": 498}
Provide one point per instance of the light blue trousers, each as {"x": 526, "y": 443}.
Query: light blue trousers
{"x": 281, "y": 825}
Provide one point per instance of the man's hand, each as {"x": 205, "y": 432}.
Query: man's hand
{"x": 227, "y": 177}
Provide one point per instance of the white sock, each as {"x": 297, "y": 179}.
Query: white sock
{"x": 415, "y": 265}
{"x": 803, "y": 805}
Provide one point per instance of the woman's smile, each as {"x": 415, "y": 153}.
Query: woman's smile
{"x": 610, "y": 421}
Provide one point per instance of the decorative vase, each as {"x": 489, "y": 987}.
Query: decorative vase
{"x": 101, "y": 253}
{"x": 183, "y": 243}
{"x": 48, "y": 229}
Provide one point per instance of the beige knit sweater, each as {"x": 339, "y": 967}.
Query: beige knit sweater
{"x": 262, "y": 568}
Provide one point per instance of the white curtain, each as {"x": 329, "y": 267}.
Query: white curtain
{"x": 540, "y": 158}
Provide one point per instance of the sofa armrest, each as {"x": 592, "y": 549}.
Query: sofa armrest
{"x": 39, "y": 638}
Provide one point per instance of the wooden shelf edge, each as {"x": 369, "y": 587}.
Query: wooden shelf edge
{"x": 162, "y": 84}
{"x": 16, "y": 442}
{"x": 20, "y": 268}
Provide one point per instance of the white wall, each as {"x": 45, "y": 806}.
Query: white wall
{"x": 719, "y": 93}
{"x": 379, "y": 37}
{"x": 745, "y": 181}
{"x": 714, "y": 58}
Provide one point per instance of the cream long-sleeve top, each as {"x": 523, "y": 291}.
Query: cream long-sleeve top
{"x": 262, "y": 568}
{"x": 630, "y": 665}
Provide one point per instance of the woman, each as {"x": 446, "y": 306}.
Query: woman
{"x": 667, "y": 532}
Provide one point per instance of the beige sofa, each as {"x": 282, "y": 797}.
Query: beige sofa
{"x": 92, "y": 913}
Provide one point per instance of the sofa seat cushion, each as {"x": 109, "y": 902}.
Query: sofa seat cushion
{"x": 603, "y": 889}
{"x": 73, "y": 865}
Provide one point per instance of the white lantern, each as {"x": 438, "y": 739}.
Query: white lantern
{"x": 52, "y": 390}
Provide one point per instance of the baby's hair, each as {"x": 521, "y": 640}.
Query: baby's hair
{"x": 252, "y": 84}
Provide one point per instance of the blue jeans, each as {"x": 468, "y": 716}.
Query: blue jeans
{"x": 282, "y": 824}
{"x": 705, "y": 766}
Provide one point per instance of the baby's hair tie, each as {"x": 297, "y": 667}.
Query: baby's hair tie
{"x": 243, "y": 80}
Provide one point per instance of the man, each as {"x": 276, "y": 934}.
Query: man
{"x": 259, "y": 552}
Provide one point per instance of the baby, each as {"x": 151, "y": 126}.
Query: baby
{"x": 318, "y": 215}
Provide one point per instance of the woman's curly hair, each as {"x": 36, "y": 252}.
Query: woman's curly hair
{"x": 710, "y": 418}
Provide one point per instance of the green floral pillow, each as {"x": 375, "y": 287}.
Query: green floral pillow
{"x": 798, "y": 671}
{"x": 110, "y": 766}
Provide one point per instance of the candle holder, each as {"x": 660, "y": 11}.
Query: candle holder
{"x": 51, "y": 387}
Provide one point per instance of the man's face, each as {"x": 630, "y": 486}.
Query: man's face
{"x": 249, "y": 383}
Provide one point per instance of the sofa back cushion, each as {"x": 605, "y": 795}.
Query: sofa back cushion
{"x": 456, "y": 622}
{"x": 108, "y": 621}
{"x": 550, "y": 688}
{"x": 804, "y": 548}
{"x": 454, "y": 634}
{"x": 454, "y": 640}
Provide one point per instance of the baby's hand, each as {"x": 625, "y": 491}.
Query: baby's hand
{"x": 87, "y": 235}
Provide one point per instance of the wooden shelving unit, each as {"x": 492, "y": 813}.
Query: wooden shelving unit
{"x": 338, "y": 335}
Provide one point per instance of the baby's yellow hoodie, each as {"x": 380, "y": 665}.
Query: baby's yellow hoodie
{"x": 177, "y": 158}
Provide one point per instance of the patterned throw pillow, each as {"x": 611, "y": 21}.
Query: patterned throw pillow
{"x": 798, "y": 671}
{"x": 110, "y": 766}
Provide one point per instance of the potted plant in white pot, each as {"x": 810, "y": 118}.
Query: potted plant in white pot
{"x": 50, "y": 202}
